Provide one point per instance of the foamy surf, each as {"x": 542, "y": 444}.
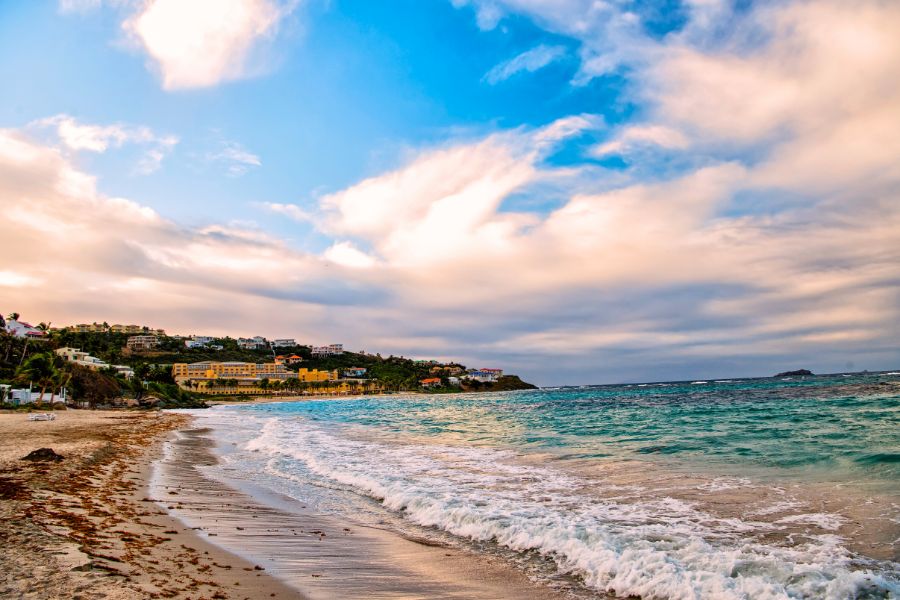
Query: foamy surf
{"x": 655, "y": 548}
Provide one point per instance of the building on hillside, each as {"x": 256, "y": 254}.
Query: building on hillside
{"x": 76, "y": 356}
{"x": 315, "y": 375}
{"x": 355, "y": 372}
{"x": 21, "y": 329}
{"x": 284, "y": 343}
{"x": 215, "y": 377}
{"x": 484, "y": 375}
{"x": 136, "y": 329}
{"x": 430, "y": 382}
{"x": 201, "y": 341}
{"x": 139, "y": 343}
{"x": 119, "y": 328}
{"x": 254, "y": 343}
{"x": 124, "y": 370}
{"x": 89, "y": 328}
{"x": 329, "y": 350}
{"x": 453, "y": 380}
{"x": 293, "y": 359}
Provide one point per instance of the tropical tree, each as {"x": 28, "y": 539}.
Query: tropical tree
{"x": 40, "y": 369}
{"x": 13, "y": 316}
{"x": 136, "y": 384}
{"x": 142, "y": 371}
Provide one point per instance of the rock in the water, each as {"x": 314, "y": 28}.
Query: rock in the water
{"x": 43, "y": 455}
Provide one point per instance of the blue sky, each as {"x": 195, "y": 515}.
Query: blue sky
{"x": 626, "y": 191}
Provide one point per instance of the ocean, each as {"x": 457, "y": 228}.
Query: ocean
{"x": 744, "y": 488}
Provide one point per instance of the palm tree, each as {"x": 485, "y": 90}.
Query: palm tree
{"x": 39, "y": 369}
{"x": 13, "y": 316}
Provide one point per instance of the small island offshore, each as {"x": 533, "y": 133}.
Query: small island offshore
{"x": 99, "y": 364}
{"x": 797, "y": 373}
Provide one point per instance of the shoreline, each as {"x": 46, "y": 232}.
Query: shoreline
{"x": 84, "y": 527}
{"x": 321, "y": 554}
{"x": 281, "y": 399}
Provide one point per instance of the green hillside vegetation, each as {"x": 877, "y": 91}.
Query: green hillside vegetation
{"x": 20, "y": 362}
{"x": 24, "y": 363}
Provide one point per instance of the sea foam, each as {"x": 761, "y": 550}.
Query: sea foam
{"x": 653, "y": 548}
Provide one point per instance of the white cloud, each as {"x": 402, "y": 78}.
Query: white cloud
{"x": 793, "y": 107}
{"x": 236, "y": 158}
{"x": 201, "y": 43}
{"x": 348, "y": 255}
{"x": 10, "y": 278}
{"x": 79, "y": 136}
{"x": 529, "y": 61}
{"x": 291, "y": 211}
{"x": 643, "y": 135}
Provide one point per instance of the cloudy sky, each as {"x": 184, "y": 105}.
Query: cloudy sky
{"x": 580, "y": 191}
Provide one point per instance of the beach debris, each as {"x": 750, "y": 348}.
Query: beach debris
{"x": 42, "y": 417}
{"x": 43, "y": 455}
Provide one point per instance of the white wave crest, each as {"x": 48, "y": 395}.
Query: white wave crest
{"x": 658, "y": 548}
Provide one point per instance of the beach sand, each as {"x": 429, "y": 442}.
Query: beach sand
{"x": 84, "y": 527}
{"x": 89, "y": 527}
{"x": 322, "y": 555}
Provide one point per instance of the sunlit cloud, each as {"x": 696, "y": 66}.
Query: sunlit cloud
{"x": 79, "y": 136}
{"x": 202, "y": 43}
{"x": 291, "y": 211}
{"x": 756, "y": 217}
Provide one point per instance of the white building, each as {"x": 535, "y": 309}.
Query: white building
{"x": 329, "y": 350}
{"x": 27, "y": 396}
{"x": 74, "y": 355}
{"x": 21, "y": 329}
{"x": 284, "y": 343}
{"x": 485, "y": 375}
{"x": 254, "y": 343}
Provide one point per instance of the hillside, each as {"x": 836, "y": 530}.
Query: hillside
{"x": 393, "y": 373}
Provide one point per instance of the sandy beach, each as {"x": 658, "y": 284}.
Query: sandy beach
{"x": 89, "y": 526}
{"x": 84, "y": 527}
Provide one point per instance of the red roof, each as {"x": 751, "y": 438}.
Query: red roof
{"x": 431, "y": 380}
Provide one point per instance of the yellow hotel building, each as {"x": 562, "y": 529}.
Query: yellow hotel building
{"x": 207, "y": 376}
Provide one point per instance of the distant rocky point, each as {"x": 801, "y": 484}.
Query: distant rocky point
{"x": 797, "y": 373}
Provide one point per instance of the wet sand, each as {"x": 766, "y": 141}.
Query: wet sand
{"x": 84, "y": 527}
{"x": 318, "y": 554}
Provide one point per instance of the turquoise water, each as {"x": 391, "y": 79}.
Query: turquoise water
{"x": 761, "y": 488}
{"x": 833, "y": 426}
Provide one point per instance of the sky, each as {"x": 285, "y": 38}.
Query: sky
{"x": 577, "y": 191}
